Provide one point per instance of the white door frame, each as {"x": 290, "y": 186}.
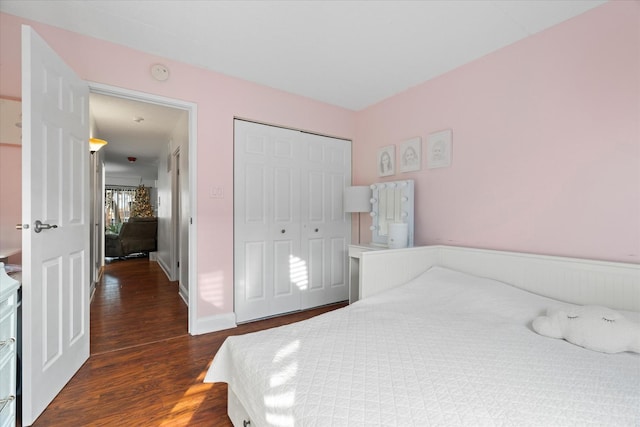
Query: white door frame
{"x": 174, "y": 159}
{"x": 191, "y": 109}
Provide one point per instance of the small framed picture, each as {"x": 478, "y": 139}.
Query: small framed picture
{"x": 439, "y": 148}
{"x": 386, "y": 160}
{"x": 410, "y": 155}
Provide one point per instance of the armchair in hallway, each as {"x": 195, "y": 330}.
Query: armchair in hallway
{"x": 138, "y": 235}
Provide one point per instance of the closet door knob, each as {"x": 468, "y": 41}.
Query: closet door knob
{"x": 316, "y": 230}
{"x": 283, "y": 231}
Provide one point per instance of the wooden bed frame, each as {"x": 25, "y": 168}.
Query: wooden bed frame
{"x": 578, "y": 281}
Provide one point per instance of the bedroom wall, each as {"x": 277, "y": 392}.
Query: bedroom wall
{"x": 219, "y": 98}
{"x": 546, "y": 143}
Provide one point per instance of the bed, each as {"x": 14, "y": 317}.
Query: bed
{"x": 441, "y": 336}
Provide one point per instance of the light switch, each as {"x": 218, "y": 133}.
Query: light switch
{"x": 217, "y": 193}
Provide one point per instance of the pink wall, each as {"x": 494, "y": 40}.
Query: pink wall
{"x": 219, "y": 99}
{"x": 546, "y": 143}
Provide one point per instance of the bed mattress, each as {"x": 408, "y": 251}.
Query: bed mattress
{"x": 444, "y": 349}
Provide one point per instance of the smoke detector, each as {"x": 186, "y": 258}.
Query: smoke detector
{"x": 160, "y": 72}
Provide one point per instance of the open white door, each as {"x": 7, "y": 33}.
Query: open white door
{"x": 55, "y": 192}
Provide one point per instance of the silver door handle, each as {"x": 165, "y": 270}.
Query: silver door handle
{"x": 39, "y": 226}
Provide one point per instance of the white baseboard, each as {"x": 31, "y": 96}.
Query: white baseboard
{"x": 216, "y": 323}
{"x": 164, "y": 267}
{"x": 184, "y": 294}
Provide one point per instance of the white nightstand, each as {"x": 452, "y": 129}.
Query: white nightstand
{"x": 354, "y": 267}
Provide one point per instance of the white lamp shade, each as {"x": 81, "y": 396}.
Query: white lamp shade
{"x": 357, "y": 199}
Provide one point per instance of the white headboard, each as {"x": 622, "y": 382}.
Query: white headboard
{"x": 578, "y": 281}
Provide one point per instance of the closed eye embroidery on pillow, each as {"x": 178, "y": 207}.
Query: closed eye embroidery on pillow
{"x": 593, "y": 327}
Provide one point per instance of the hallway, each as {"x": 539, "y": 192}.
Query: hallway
{"x": 135, "y": 304}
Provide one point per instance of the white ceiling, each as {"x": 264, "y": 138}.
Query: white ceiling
{"x": 351, "y": 54}
{"x": 347, "y": 53}
{"x": 132, "y": 129}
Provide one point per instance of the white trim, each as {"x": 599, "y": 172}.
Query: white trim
{"x": 573, "y": 280}
{"x": 164, "y": 267}
{"x": 192, "y": 110}
{"x": 184, "y": 296}
{"x": 214, "y": 323}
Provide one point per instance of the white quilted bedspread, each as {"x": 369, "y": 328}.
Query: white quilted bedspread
{"x": 446, "y": 349}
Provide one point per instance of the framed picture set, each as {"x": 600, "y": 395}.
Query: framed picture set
{"x": 386, "y": 160}
{"x": 411, "y": 155}
{"x": 439, "y": 149}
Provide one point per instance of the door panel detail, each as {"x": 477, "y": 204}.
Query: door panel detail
{"x": 254, "y": 276}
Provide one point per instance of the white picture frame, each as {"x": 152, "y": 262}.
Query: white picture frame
{"x": 411, "y": 155}
{"x": 439, "y": 149}
{"x": 386, "y": 160}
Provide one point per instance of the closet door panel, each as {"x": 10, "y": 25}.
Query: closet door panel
{"x": 283, "y": 228}
{"x": 283, "y": 198}
{"x": 316, "y": 257}
{"x": 338, "y": 263}
{"x": 266, "y": 220}
{"x": 254, "y": 269}
{"x": 326, "y": 173}
{"x": 255, "y": 180}
{"x": 283, "y": 285}
{"x": 315, "y": 197}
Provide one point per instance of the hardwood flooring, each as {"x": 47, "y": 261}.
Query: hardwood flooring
{"x": 135, "y": 304}
{"x": 145, "y": 369}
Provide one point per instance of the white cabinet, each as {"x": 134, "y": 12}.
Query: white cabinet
{"x": 8, "y": 347}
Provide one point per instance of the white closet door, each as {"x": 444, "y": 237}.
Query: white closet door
{"x": 290, "y": 230}
{"x": 266, "y": 220}
{"x": 325, "y": 173}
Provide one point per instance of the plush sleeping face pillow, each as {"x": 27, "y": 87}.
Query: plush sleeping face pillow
{"x": 593, "y": 327}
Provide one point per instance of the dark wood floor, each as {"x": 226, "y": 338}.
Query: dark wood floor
{"x": 145, "y": 369}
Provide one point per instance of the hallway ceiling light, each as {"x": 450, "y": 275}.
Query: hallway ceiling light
{"x": 95, "y": 144}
